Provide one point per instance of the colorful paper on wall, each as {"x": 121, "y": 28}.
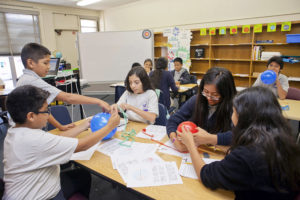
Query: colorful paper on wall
{"x": 286, "y": 26}
{"x": 179, "y": 46}
{"x": 203, "y": 31}
{"x": 233, "y": 30}
{"x": 222, "y": 31}
{"x": 246, "y": 29}
{"x": 271, "y": 27}
{"x": 257, "y": 28}
{"x": 212, "y": 31}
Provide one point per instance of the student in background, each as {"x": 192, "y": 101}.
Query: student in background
{"x": 139, "y": 100}
{"x": 32, "y": 156}
{"x": 136, "y": 64}
{"x": 263, "y": 161}
{"x": 36, "y": 60}
{"x": 281, "y": 85}
{"x": 210, "y": 110}
{"x": 148, "y": 65}
{"x": 163, "y": 80}
{"x": 180, "y": 74}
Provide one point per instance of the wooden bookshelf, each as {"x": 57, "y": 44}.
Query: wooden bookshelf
{"x": 234, "y": 52}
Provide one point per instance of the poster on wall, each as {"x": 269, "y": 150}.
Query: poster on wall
{"x": 179, "y": 40}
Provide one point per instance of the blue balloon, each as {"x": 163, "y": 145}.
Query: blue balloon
{"x": 268, "y": 77}
{"x": 58, "y": 55}
{"x": 99, "y": 121}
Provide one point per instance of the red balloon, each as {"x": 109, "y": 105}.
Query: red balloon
{"x": 188, "y": 125}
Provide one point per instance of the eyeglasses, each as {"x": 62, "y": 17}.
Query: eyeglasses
{"x": 215, "y": 98}
{"x": 43, "y": 112}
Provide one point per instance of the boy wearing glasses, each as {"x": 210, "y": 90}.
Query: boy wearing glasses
{"x": 32, "y": 156}
{"x": 36, "y": 60}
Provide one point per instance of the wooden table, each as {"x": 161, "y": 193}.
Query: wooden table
{"x": 101, "y": 165}
{"x": 186, "y": 87}
{"x": 294, "y": 109}
{"x": 5, "y": 92}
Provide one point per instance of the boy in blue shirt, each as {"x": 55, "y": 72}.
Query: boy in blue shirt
{"x": 32, "y": 156}
{"x": 36, "y": 60}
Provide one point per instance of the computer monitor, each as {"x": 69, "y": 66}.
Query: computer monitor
{"x": 54, "y": 65}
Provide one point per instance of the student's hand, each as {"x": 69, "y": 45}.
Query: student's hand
{"x": 125, "y": 106}
{"x": 203, "y": 137}
{"x": 86, "y": 123}
{"x": 177, "y": 143}
{"x": 66, "y": 127}
{"x": 105, "y": 106}
{"x": 186, "y": 137}
{"x": 114, "y": 120}
{"x": 114, "y": 108}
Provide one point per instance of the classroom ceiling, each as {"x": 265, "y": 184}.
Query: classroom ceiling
{"x": 102, "y": 5}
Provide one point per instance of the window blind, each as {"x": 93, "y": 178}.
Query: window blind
{"x": 16, "y": 30}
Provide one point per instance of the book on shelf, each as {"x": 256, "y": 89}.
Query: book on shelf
{"x": 257, "y": 52}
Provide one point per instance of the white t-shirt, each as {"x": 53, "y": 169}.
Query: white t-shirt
{"x": 31, "y": 163}
{"x": 31, "y": 78}
{"x": 282, "y": 79}
{"x": 146, "y": 101}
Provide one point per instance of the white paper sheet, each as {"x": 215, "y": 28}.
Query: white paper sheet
{"x": 137, "y": 150}
{"x": 155, "y": 174}
{"x": 187, "y": 169}
{"x": 110, "y": 146}
{"x": 158, "y": 132}
{"x": 167, "y": 150}
{"x": 124, "y": 163}
{"x": 85, "y": 155}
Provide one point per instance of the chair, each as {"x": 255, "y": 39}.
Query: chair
{"x": 119, "y": 90}
{"x": 293, "y": 93}
{"x": 61, "y": 114}
{"x": 193, "y": 79}
{"x": 163, "y": 114}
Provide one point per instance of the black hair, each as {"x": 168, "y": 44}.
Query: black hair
{"x": 143, "y": 76}
{"x": 261, "y": 125}
{"x": 178, "y": 60}
{"x": 25, "y": 99}
{"x": 135, "y": 64}
{"x": 225, "y": 86}
{"x": 149, "y": 60}
{"x": 276, "y": 59}
{"x": 33, "y": 51}
{"x": 160, "y": 65}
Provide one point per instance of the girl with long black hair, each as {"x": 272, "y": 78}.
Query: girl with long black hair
{"x": 263, "y": 161}
{"x": 210, "y": 110}
{"x": 163, "y": 80}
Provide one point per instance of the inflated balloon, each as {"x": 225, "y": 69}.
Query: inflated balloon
{"x": 188, "y": 125}
{"x": 99, "y": 121}
{"x": 268, "y": 77}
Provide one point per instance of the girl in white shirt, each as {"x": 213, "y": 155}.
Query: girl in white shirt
{"x": 139, "y": 100}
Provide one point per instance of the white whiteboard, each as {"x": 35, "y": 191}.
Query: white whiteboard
{"x": 108, "y": 56}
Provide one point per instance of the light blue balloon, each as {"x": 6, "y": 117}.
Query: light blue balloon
{"x": 268, "y": 77}
{"x": 58, "y": 55}
{"x": 99, "y": 121}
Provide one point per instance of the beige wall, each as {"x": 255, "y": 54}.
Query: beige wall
{"x": 158, "y": 14}
{"x": 51, "y": 18}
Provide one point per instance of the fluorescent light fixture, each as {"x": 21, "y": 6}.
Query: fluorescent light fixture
{"x": 86, "y": 2}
